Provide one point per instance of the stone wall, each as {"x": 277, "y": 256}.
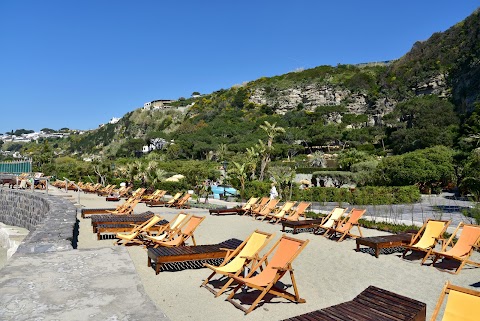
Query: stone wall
{"x": 52, "y": 221}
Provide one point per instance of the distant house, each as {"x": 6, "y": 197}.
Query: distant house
{"x": 155, "y": 144}
{"x": 157, "y": 104}
{"x": 114, "y": 120}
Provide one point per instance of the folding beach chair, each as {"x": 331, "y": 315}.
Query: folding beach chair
{"x": 286, "y": 250}
{"x": 257, "y": 206}
{"x": 297, "y": 212}
{"x": 462, "y": 304}
{"x": 184, "y": 234}
{"x": 329, "y": 221}
{"x": 169, "y": 230}
{"x": 344, "y": 227}
{"x": 135, "y": 236}
{"x": 267, "y": 209}
{"x": 277, "y": 214}
{"x": 461, "y": 250}
{"x": 425, "y": 239}
{"x": 235, "y": 261}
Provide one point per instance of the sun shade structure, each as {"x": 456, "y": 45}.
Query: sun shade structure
{"x": 279, "y": 263}
{"x": 461, "y": 250}
{"x": 427, "y": 236}
{"x": 462, "y": 304}
{"x": 235, "y": 261}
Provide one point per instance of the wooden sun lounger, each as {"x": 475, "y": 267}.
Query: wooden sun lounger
{"x": 114, "y": 228}
{"x": 301, "y": 224}
{"x": 384, "y": 242}
{"x": 89, "y": 211}
{"x": 372, "y": 304}
{"x": 116, "y": 219}
{"x": 162, "y": 255}
{"x": 226, "y": 211}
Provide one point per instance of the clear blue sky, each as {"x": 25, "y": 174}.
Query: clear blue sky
{"x": 76, "y": 64}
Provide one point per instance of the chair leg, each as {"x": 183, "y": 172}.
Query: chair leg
{"x": 257, "y": 300}
{"x": 427, "y": 256}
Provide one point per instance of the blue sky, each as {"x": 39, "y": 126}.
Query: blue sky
{"x": 76, "y": 64}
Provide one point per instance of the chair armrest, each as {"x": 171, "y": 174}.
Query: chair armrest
{"x": 248, "y": 257}
{"x": 282, "y": 268}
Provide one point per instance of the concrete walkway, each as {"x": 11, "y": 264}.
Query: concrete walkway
{"x": 81, "y": 284}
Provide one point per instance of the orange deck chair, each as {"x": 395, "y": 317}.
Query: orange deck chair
{"x": 257, "y": 206}
{"x": 277, "y": 214}
{"x": 267, "y": 209}
{"x": 462, "y": 304}
{"x": 135, "y": 235}
{"x": 185, "y": 233}
{"x": 344, "y": 227}
{"x": 235, "y": 261}
{"x": 425, "y": 239}
{"x": 169, "y": 230}
{"x": 460, "y": 251}
{"x": 287, "y": 249}
{"x": 331, "y": 219}
{"x": 296, "y": 213}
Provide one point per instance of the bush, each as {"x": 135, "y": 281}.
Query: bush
{"x": 173, "y": 187}
{"x": 369, "y": 195}
{"x": 257, "y": 189}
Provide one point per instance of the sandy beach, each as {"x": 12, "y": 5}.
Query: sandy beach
{"x": 326, "y": 272}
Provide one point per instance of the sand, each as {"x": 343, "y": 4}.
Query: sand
{"x": 326, "y": 272}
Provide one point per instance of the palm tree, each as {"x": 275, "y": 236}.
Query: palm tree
{"x": 272, "y": 131}
{"x": 240, "y": 172}
{"x": 252, "y": 161}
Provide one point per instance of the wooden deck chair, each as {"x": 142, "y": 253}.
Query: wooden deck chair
{"x": 235, "y": 261}
{"x": 462, "y": 304}
{"x": 425, "y": 239}
{"x": 329, "y": 221}
{"x": 135, "y": 235}
{"x": 183, "y": 202}
{"x": 138, "y": 193}
{"x": 249, "y": 204}
{"x": 257, "y": 206}
{"x": 174, "y": 199}
{"x": 234, "y": 210}
{"x": 154, "y": 197}
{"x": 127, "y": 208}
{"x": 297, "y": 212}
{"x": 280, "y": 212}
{"x": 169, "y": 230}
{"x": 267, "y": 209}
{"x": 347, "y": 224}
{"x": 287, "y": 249}
{"x": 460, "y": 251}
{"x": 186, "y": 232}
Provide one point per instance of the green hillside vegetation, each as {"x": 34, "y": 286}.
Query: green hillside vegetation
{"x": 411, "y": 132}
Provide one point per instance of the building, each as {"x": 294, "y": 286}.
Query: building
{"x": 157, "y": 104}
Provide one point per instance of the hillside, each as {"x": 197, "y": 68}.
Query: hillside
{"x": 369, "y": 107}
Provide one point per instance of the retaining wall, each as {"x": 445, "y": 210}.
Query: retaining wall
{"x": 52, "y": 221}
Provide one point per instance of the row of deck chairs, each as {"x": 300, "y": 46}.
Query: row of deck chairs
{"x": 266, "y": 209}
{"x": 179, "y": 200}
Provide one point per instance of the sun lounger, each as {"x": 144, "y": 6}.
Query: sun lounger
{"x": 301, "y": 224}
{"x": 235, "y": 210}
{"x": 298, "y": 212}
{"x": 119, "y": 219}
{"x": 267, "y": 209}
{"x": 330, "y": 220}
{"x": 165, "y": 203}
{"x": 430, "y": 233}
{"x": 344, "y": 227}
{"x": 134, "y": 236}
{"x": 162, "y": 257}
{"x": 461, "y": 250}
{"x": 278, "y": 214}
{"x": 182, "y": 236}
{"x": 279, "y": 263}
{"x": 257, "y": 206}
{"x": 377, "y": 243}
{"x": 236, "y": 260}
{"x": 462, "y": 304}
{"x": 373, "y": 304}
{"x": 170, "y": 229}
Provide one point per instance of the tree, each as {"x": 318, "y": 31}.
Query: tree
{"x": 471, "y": 172}
{"x": 283, "y": 176}
{"x": 428, "y": 168}
{"x": 317, "y": 159}
{"x": 351, "y": 156}
{"x": 424, "y": 121}
{"x": 272, "y": 131}
{"x": 239, "y": 172}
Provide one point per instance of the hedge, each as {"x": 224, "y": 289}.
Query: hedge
{"x": 368, "y": 195}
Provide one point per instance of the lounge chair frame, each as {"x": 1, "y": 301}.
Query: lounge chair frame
{"x": 417, "y": 237}
{"x": 446, "y": 290}
{"x": 270, "y": 287}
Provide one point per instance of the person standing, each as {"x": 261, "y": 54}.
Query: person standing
{"x": 273, "y": 192}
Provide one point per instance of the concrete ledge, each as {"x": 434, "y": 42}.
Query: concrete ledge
{"x": 99, "y": 284}
{"x": 50, "y": 220}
